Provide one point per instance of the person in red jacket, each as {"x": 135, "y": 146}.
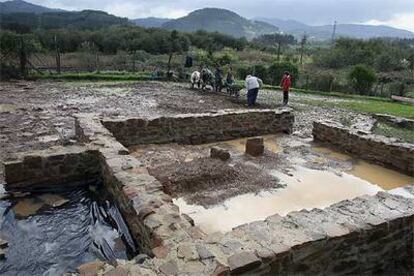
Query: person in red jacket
{"x": 286, "y": 83}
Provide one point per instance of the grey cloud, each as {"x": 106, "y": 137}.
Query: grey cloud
{"x": 309, "y": 11}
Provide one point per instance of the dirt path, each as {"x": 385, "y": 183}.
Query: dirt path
{"x": 36, "y": 115}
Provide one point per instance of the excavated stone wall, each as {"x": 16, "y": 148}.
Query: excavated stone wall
{"x": 150, "y": 214}
{"x": 376, "y": 148}
{"x": 365, "y": 235}
{"x": 57, "y": 167}
{"x": 200, "y": 128}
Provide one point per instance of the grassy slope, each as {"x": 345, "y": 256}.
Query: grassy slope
{"x": 367, "y": 106}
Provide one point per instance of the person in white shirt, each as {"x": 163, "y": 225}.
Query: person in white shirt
{"x": 252, "y": 85}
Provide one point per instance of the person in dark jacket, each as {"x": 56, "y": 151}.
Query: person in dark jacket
{"x": 229, "y": 80}
{"x": 218, "y": 78}
{"x": 286, "y": 83}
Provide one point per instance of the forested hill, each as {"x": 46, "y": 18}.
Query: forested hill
{"x": 343, "y": 30}
{"x": 17, "y": 6}
{"x": 87, "y": 19}
{"x": 220, "y": 20}
{"x": 150, "y": 22}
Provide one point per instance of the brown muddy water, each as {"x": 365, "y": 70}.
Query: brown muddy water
{"x": 54, "y": 233}
{"x": 313, "y": 177}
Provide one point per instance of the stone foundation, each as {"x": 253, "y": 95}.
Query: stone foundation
{"x": 366, "y": 235}
{"x": 376, "y": 148}
{"x": 54, "y": 168}
{"x": 199, "y": 128}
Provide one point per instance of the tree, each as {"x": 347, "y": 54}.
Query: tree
{"x": 279, "y": 40}
{"x": 260, "y": 71}
{"x": 16, "y": 47}
{"x": 362, "y": 78}
{"x": 176, "y": 44}
{"x": 302, "y": 47}
{"x": 276, "y": 70}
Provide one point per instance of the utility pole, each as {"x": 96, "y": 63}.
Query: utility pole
{"x": 302, "y": 47}
{"x": 57, "y": 56}
{"x": 279, "y": 44}
{"x": 334, "y": 32}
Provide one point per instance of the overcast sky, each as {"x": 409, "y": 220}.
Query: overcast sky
{"x": 397, "y": 13}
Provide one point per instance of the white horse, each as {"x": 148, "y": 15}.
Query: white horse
{"x": 195, "y": 79}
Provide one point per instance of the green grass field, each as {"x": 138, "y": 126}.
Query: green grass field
{"x": 367, "y": 106}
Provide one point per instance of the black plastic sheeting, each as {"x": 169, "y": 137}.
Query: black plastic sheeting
{"x": 56, "y": 240}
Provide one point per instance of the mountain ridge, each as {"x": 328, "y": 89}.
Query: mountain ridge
{"x": 221, "y": 20}
{"x": 224, "y": 21}
{"x": 324, "y": 32}
{"x": 150, "y": 22}
{"x": 20, "y": 6}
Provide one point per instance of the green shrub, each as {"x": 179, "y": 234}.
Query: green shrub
{"x": 242, "y": 72}
{"x": 8, "y": 71}
{"x": 276, "y": 70}
{"x": 321, "y": 81}
{"x": 259, "y": 71}
{"x": 362, "y": 78}
{"x": 398, "y": 88}
{"x": 224, "y": 58}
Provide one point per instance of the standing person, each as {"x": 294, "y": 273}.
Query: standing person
{"x": 286, "y": 83}
{"x": 252, "y": 85}
{"x": 218, "y": 77}
{"x": 229, "y": 80}
{"x": 207, "y": 78}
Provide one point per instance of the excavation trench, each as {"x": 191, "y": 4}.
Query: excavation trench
{"x": 54, "y": 232}
{"x": 292, "y": 174}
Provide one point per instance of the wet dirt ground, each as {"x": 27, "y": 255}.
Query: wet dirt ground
{"x": 37, "y": 115}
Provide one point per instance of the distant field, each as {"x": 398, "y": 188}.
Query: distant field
{"x": 359, "y": 103}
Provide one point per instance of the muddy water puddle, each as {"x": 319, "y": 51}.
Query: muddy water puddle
{"x": 312, "y": 176}
{"x": 306, "y": 187}
{"x": 54, "y": 233}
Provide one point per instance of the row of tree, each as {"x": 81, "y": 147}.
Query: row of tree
{"x": 384, "y": 55}
{"x": 130, "y": 39}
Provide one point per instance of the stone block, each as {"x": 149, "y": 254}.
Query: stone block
{"x": 243, "y": 262}
{"x": 90, "y": 269}
{"x": 169, "y": 268}
{"x": 219, "y": 153}
{"x": 255, "y": 146}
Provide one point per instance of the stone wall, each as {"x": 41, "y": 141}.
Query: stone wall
{"x": 200, "y": 128}
{"x": 366, "y": 235}
{"x": 151, "y": 216}
{"x": 56, "y": 168}
{"x": 376, "y": 148}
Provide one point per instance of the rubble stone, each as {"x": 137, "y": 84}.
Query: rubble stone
{"x": 255, "y": 146}
{"x": 243, "y": 262}
{"x": 219, "y": 153}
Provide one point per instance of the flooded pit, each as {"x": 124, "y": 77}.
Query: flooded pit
{"x": 309, "y": 176}
{"x": 54, "y": 233}
{"x": 305, "y": 189}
